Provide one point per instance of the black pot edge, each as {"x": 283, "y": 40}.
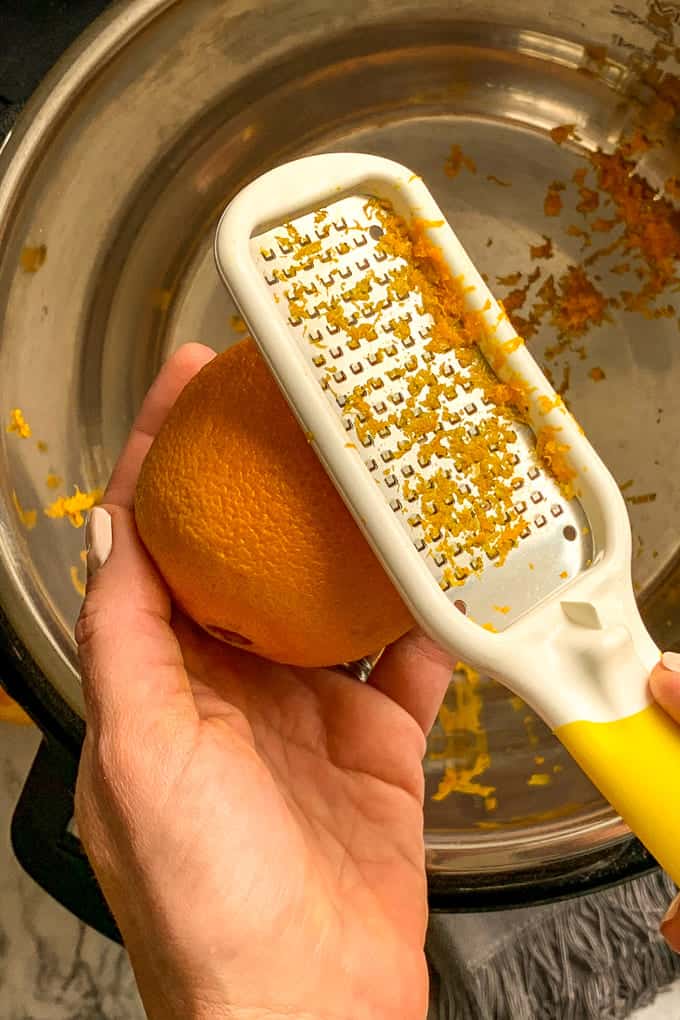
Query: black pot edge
{"x": 25, "y": 683}
{"x": 593, "y": 873}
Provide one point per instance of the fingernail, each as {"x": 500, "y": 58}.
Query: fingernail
{"x": 669, "y": 917}
{"x": 671, "y": 661}
{"x": 98, "y": 539}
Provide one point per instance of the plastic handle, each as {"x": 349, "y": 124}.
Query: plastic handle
{"x": 635, "y": 762}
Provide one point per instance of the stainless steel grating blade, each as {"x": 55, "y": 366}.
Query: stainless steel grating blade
{"x": 364, "y": 337}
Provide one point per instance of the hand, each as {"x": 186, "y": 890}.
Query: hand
{"x": 257, "y": 829}
{"x": 665, "y": 685}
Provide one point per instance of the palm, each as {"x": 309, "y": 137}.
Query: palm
{"x": 329, "y": 805}
{"x": 266, "y": 820}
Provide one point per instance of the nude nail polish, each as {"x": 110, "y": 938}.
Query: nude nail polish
{"x": 671, "y": 661}
{"x": 98, "y": 539}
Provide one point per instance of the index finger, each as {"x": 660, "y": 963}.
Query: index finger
{"x": 169, "y": 383}
{"x": 670, "y": 926}
{"x": 415, "y": 673}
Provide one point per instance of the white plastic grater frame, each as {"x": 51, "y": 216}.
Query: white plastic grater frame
{"x": 590, "y": 634}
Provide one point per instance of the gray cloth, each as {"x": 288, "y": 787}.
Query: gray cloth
{"x": 595, "y": 958}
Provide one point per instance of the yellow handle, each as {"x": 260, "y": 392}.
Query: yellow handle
{"x": 635, "y": 763}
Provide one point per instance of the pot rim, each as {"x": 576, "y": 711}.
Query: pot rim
{"x": 23, "y": 678}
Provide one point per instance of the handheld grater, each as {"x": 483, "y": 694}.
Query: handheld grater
{"x": 496, "y": 520}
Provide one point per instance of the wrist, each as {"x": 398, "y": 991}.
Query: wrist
{"x": 250, "y": 1013}
{"x": 162, "y": 1009}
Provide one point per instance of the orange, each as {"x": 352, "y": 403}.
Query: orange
{"x": 248, "y": 531}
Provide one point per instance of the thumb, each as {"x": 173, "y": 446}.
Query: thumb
{"x": 665, "y": 684}
{"x": 131, "y": 662}
{"x": 670, "y": 926}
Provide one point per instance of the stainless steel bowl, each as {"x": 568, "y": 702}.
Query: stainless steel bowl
{"x": 120, "y": 168}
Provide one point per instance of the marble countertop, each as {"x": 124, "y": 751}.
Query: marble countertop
{"x": 52, "y": 967}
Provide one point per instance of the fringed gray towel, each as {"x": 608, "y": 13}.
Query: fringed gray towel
{"x": 594, "y": 958}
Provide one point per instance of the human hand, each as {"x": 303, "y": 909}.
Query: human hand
{"x": 665, "y": 685}
{"x": 257, "y": 829}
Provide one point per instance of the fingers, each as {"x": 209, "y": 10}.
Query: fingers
{"x": 131, "y": 662}
{"x": 415, "y": 673}
{"x": 132, "y": 667}
{"x": 670, "y": 926}
{"x": 169, "y": 383}
{"x": 665, "y": 684}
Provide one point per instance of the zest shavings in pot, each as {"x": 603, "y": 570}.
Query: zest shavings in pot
{"x": 69, "y": 507}
{"x": 76, "y": 581}
{"x": 75, "y": 574}
{"x": 465, "y": 748}
{"x": 457, "y": 160}
{"x": 32, "y": 258}
{"x": 644, "y": 224}
{"x": 629, "y": 233}
{"x": 463, "y": 494}
{"x": 552, "y": 205}
{"x": 72, "y": 507}
{"x": 539, "y": 779}
{"x": 459, "y": 746}
{"x": 238, "y": 325}
{"x": 562, "y": 133}
{"x": 28, "y": 518}
{"x": 18, "y": 424}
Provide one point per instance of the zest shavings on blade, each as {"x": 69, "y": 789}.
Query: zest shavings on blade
{"x": 387, "y": 330}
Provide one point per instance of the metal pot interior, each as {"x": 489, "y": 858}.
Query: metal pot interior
{"x": 111, "y": 191}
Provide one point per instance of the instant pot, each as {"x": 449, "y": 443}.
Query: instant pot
{"x": 111, "y": 184}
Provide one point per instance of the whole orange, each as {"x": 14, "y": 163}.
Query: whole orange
{"x": 248, "y": 531}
